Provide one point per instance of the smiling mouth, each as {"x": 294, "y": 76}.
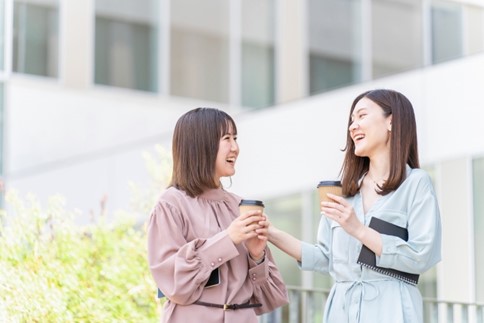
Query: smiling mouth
{"x": 358, "y": 137}
{"x": 231, "y": 160}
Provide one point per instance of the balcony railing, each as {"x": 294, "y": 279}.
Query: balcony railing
{"x": 306, "y": 305}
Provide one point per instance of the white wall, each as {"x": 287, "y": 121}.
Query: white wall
{"x": 87, "y": 143}
{"x": 295, "y": 145}
{"x": 83, "y": 144}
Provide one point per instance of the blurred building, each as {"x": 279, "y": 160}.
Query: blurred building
{"x": 87, "y": 86}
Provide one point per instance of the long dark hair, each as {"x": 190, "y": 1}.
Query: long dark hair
{"x": 403, "y": 143}
{"x": 195, "y": 146}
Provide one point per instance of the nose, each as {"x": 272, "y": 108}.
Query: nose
{"x": 234, "y": 146}
{"x": 353, "y": 125}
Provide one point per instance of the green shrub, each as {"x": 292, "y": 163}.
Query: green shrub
{"x": 55, "y": 270}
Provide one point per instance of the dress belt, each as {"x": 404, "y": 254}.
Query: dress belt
{"x": 228, "y": 306}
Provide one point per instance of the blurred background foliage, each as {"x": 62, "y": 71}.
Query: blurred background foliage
{"x": 54, "y": 270}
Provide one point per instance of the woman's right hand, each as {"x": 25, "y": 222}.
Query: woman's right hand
{"x": 244, "y": 226}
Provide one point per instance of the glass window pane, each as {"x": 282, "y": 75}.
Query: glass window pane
{"x": 478, "y": 192}
{"x": 199, "y": 50}
{"x": 285, "y": 213}
{"x": 334, "y": 50}
{"x": 35, "y": 38}
{"x": 397, "y": 36}
{"x": 258, "y": 53}
{"x": 446, "y": 31}
{"x": 126, "y": 44}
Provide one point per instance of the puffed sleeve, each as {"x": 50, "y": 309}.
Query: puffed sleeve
{"x": 423, "y": 248}
{"x": 181, "y": 268}
{"x": 269, "y": 288}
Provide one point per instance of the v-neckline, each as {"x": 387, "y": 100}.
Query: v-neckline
{"x": 380, "y": 199}
{"x": 375, "y": 206}
{"x": 375, "y": 202}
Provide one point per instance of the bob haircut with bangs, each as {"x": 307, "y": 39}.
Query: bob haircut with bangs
{"x": 195, "y": 145}
{"x": 403, "y": 143}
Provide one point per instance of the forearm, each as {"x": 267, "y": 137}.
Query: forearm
{"x": 371, "y": 239}
{"x": 285, "y": 242}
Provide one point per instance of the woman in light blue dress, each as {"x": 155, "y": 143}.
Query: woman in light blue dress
{"x": 380, "y": 178}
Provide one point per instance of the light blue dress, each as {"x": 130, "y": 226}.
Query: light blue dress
{"x": 361, "y": 294}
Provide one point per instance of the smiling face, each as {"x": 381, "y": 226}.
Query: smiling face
{"x": 370, "y": 129}
{"x": 227, "y": 154}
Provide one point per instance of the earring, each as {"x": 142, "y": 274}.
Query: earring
{"x": 230, "y": 184}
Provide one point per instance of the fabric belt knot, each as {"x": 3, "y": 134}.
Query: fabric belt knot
{"x": 226, "y": 307}
{"x": 364, "y": 294}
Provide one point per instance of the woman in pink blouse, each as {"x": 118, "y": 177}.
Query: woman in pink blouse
{"x": 211, "y": 263}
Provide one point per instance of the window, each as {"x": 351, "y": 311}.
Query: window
{"x": 286, "y": 214}
{"x": 258, "y": 79}
{"x": 126, "y": 44}
{"x": 446, "y": 31}
{"x": 333, "y": 40}
{"x": 478, "y": 192}
{"x": 35, "y": 38}
{"x": 199, "y": 49}
{"x": 397, "y": 33}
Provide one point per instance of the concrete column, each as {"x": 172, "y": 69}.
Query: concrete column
{"x": 456, "y": 271}
{"x": 291, "y": 61}
{"x": 76, "y": 43}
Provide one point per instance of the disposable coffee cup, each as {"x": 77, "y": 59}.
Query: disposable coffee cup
{"x": 248, "y": 205}
{"x": 325, "y": 187}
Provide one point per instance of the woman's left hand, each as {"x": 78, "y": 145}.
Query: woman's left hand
{"x": 341, "y": 211}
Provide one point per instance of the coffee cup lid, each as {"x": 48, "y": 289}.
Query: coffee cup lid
{"x": 329, "y": 183}
{"x": 251, "y": 202}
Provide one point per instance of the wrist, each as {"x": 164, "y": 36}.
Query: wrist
{"x": 271, "y": 233}
{"x": 360, "y": 233}
{"x": 259, "y": 259}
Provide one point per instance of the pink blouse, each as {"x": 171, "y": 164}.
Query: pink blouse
{"x": 187, "y": 240}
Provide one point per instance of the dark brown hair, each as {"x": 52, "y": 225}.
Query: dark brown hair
{"x": 403, "y": 143}
{"x": 195, "y": 146}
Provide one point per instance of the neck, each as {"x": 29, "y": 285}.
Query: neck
{"x": 378, "y": 172}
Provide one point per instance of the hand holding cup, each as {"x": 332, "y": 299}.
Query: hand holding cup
{"x": 325, "y": 187}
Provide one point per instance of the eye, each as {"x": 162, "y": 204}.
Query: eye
{"x": 235, "y": 138}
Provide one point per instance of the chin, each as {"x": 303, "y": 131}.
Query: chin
{"x": 360, "y": 153}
